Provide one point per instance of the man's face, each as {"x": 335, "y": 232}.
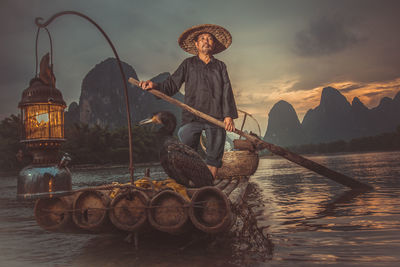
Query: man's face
{"x": 205, "y": 43}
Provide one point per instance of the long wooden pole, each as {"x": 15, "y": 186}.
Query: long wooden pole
{"x": 261, "y": 144}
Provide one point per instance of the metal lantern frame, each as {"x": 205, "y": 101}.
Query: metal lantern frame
{"x": 42, "y": 115}
{"x": 43, "y": 121}
{"x": 39, "y": 22}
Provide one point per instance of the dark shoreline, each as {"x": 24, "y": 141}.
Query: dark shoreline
{"x": 111, "y": 166}
{"x": 94, "y": 166}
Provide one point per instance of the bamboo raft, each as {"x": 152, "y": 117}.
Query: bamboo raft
{"x": 159, "y": 205}
{"x": 127, "y": 208}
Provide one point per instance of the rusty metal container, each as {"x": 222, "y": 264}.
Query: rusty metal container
{"x": 37, "y": 181}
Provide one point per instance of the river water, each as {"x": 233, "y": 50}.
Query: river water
{"x": 305, "y": 220}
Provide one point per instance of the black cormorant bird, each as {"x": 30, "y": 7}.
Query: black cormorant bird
{"x": 179, "y": 161}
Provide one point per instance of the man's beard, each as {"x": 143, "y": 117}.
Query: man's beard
{"x": 207, "y": 49}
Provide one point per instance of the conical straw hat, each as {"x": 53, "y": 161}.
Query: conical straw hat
{"x": 223, "y": 38}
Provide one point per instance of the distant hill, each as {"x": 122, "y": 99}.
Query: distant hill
{"x": 284, "y": 127}
{"x": 102, "y": 100}
{"x": 333, "y": 119}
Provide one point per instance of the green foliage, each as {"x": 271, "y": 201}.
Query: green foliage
{"x": 87, "y": 145}
{"x": 98, "y": 145}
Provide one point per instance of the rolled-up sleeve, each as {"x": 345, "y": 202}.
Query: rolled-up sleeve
{"x": 228, "y": 100}
{"x": 174, "y": 82}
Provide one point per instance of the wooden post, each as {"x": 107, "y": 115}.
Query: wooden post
{"x": 261, "y": 144}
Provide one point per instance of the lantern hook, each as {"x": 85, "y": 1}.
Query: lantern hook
{"x": 38, "y": 22}
{"x": 36, "y": 50}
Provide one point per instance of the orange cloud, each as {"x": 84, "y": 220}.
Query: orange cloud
{"x": 369, "y": 93}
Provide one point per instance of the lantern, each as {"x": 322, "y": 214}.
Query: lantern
{"x": 42, "y": 113}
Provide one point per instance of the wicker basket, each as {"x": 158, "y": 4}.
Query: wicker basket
{"x": 238, "y": 163}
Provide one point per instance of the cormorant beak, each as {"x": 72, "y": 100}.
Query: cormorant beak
{"x": 153, "y": 119}
{"x": 146, "y": 121}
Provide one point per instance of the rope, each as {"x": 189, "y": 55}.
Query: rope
{"x": 145, "y": 185}
{"x": 59, "y": 213}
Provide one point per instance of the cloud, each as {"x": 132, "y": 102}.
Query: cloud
{"x": 279, "y": 51}
{"x": 369, "y": 93}
{"x": 351, "y": 87}
{"x": 325, "y": 36}
{"x": 372, "y": 94}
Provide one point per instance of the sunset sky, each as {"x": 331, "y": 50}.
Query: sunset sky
{"x": 281, "y": 50}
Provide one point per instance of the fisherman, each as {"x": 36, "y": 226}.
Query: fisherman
{"x": 207, "y": 89}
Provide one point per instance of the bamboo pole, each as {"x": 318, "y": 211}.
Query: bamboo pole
{"x": 261, "y": 144}
{"x": 210, "y": 210}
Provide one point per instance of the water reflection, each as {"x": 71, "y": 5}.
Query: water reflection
{"x": 293, "y": 217}
{"x": 313, "y": 219}
{"x": 244, "y": 246}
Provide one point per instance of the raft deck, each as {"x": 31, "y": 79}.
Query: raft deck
{"x": 127, "y": 208}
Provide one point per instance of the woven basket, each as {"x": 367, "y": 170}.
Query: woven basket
{"x": 238, "y": 163}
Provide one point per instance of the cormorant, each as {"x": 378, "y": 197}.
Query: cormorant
{"x": 180, "y": 162}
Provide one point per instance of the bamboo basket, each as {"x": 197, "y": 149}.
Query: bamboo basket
{"x": 238, "y": 163}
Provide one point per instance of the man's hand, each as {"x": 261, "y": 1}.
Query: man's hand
{"x": 146, "y": 85}
{"x": 229, "y": 125}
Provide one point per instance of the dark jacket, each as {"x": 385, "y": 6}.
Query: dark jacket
{"x": 207, "y": 88}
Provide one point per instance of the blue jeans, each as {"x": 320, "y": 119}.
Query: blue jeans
{"x": 189, "y": 134}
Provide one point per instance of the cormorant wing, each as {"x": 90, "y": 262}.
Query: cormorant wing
{"x": 182, "y": 163}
